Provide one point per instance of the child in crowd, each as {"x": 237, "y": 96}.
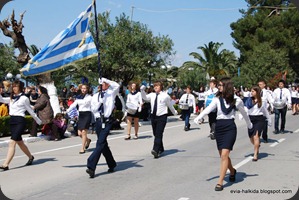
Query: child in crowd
{"x": 59, "y": 126}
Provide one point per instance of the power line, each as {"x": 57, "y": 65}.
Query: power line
{"x": 213, "y": 9}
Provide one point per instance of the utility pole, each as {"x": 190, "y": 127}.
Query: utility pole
{"x": 132, "y": 12}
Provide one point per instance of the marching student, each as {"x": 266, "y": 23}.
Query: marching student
{"x": 294, "y": 96}
{"x": 210, "y": 94}
{"x": 189, "y": 100}
{"x": 83, "y": 101}
{"x": 257, "y": 114}
{"x": 18, "y": 105}
{"x": 102, "y": 106}
{"x": 160, "y": 101}
{"x": 201, "y": 98}
{"x": 226, "y": 104}
{"x": 267, "y": 101}
{"x": 282, "y": 101}
{"x": 134, "y": 97}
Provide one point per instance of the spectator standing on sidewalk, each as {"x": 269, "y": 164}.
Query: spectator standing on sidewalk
{"x": 18, "y": 105}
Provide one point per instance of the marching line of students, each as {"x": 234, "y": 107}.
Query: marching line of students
{"x": 220, "y": 100}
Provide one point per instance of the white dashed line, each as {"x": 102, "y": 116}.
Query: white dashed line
{"x": 276, "y": 143}
{"x": 296, "y": 131}
{"x": 183, "y": 198}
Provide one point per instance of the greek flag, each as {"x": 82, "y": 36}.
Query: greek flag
{"x": 72, "y": 44}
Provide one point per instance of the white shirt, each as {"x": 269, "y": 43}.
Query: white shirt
{"x": 107, "y": 101}
{"x": 286, "y": 95}
{"x": 200, "y": 95}
{"x": 255, "y": 111}
{"x": 266, "y": 96}
{"x": 135, "y": 99}
{"x": 294, "y": 93}
{"x": 245, "y": 93}
{"x": 19, "y": 107}
{"x": 210, "y": 91}
{"x": 84, "y": 104}
{"x": 191, "y": 101}
{"x": 163, "y": 102}
{"x": 220, "y": 115}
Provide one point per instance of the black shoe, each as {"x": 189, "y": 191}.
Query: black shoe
{"x": 186, "y": 128}
{"x": 87, "y": 144}
{"x": 30, "y": 161}
{"x": 90, "y": 172}
{"x": 81, "y": 152}
{"x": 232, "y": 178}
{"x": 212, "y": 136}
{"x": 219, "y": 187}
{"x": 2, "y": 168}
{"x": 265, "y": 140}
{"x": 283, "y": 131}
{"x": 111, "y": 170}
{"x": 155, "y": 154}
{"x": 189, "y": 125}
{"x": 254, "y": 159}
{"x": 276, "y": 132}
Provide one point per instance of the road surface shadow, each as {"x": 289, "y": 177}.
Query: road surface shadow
{"x": 261, "y": 155}
{"x": 37, "y": 162}
{"x": 240, "y": 177}
{"x": 169, "y": 152}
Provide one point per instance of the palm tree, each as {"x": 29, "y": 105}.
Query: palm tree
{"x": 211, "y": 61}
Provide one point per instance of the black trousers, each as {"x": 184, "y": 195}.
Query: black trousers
{"x": 101, "y": 146}
{"x": 212, "y": 121}
{"x": 158, "y": 126}
{"x": 280, "y": 112}
{"x": 265, "y": 130}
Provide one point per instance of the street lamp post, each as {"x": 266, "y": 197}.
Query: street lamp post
{"x": 150, "y": 78}
{"x": 11, "y": 77}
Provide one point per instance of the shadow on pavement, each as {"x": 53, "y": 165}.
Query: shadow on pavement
{"x": 261, "y": 155}
{"x": 240, "y": 177}
{"x": 169, "y": 152}
{"x": 38, "y": 162}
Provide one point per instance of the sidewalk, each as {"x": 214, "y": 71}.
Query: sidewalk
{"x": 5, "y": 140}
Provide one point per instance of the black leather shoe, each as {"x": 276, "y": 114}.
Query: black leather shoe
{"x": 186, "y": 128}
{"x": 232, "y": 178}
{"x": 87, "y": 144}
{"x": 219, "y": 187}
{"x": 90, "y": 172}
{"x": 155, "y": 154}
{"x": 276, "y": 132}
{"x": 212, "y": 136}
{"x": 111, "y": 170}
{"x": 2, "y": 168}
{"x": 30, "y": 161}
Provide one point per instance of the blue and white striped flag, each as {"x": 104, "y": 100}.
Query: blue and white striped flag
{"x": 72, "y": 44}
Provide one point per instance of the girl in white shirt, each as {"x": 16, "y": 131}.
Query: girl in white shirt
{"x": 83, "y": 101}
{"x": 257, "y": 113}
{"x": 225, "y": 129}
{"x": 18, "y": 105}
{"x": 134, "y": 97}
{"x": 201, "y": 98}
{"x": 294, "y": 95}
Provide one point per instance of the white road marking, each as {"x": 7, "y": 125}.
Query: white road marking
{"x": 243, "y": 162}
{"x": 77, "y": 145}
{"x": 276, "y": 143}
{"x": 183, "y": 198}
{"x": 296, "y": 131}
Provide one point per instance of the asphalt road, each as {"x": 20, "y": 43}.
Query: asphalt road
{"x": 188, "y": 169}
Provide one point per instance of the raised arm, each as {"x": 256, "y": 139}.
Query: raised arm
{"x": 5, "y": 100}
{"x": 240, "y": 107}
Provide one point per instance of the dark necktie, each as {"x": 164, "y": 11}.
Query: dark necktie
{"x": 262, "y": 93}
{"x": 280, "y": 93}
{"x": 155, "y": 105}
{"x": 101, "y": 109}
{"x": 187, "y": 98}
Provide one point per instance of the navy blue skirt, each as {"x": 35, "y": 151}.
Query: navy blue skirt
{"x": 17, "y": 127}
{"x": 225, "y": 133}
{"x": 84, "y": 120}
{"x": 258, "y": 123}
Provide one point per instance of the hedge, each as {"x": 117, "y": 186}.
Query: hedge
{"x": 4, "y": 124}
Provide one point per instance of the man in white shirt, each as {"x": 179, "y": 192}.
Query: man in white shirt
{"x": 102, "y": 105}
{"x": 189, "y": 100}
{"x": 210, "y": 94}
{"x": 282, "y": 101}
{"x": 160, "y": 102}
{"x": 266, "y": 98}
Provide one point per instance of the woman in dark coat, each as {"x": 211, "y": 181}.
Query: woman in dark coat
{"x": 43, "y": 109}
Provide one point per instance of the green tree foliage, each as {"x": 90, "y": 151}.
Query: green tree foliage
{"x": 129, "y": 49}
{"x": 210, "y": 62}
{"x": 267, "y": 37}
{"x": 8, "y": 61}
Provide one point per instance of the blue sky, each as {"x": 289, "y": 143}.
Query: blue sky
{"x": 189, "y": 23}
